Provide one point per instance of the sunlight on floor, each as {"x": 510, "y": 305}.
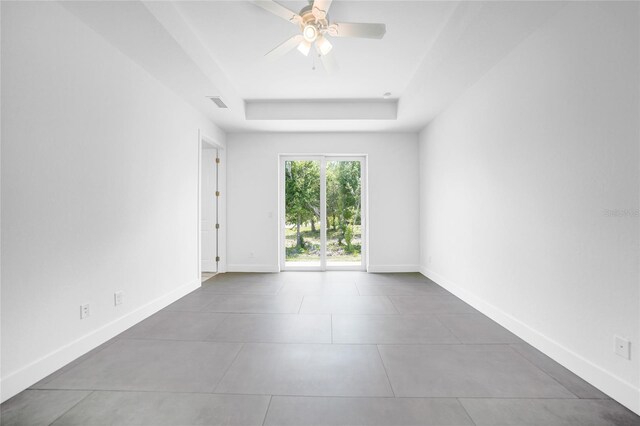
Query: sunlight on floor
{"x": 206, "y": 275}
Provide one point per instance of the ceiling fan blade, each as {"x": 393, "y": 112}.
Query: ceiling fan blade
{"x": 348, "y": 29}
{"x": 321, "y": 8}
{"x": 284, "y": 48}
{"x": 279, "y": 10}
{"x": 328, "y": 61}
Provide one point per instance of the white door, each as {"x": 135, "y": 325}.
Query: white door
{"x": 208, "y": 213}
{"x": 322, "y": 213}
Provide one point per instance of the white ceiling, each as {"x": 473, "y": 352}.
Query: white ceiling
{"x": 238, "y": 34}
{"x": 431, "y": 53}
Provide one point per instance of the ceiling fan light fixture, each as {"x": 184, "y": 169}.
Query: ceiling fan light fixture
{"x": 314, "y": 26}
{"x": 324, "y": 46}
{"x": 304, "y": 47}
{"x": 310, "y": 33}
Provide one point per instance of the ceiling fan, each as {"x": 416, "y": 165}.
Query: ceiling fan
{"x": 315, "y": 26}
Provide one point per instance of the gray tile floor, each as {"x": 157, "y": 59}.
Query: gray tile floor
{"x": 334, "y": 348}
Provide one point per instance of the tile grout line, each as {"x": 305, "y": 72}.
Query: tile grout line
{"x": 301, "y": 302}
{"x": 294, "y": 313}
{"x": 72, "y": 407}
{"x": 384, "y": 367}
{"x": 394, "y": 306}
{"x": 293, "y": 395}
{"x": 278, "y": 294}
{"x": 227, "y": 369}
{"x": 242, "y": 313}
{"x": 437, "y": 317}
{"x": 228, "y": 342}
{"x": 97, "y": 350}
{"x": 266, "y": 413}
{"x": 465, "y": 410}
{"x": 509, "y": 345}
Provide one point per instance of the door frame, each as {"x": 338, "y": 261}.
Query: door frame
{"x": 364, "y": 213}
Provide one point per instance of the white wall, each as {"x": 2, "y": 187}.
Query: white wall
{"x": 517, "y": 178}
{"x": 252, "y": 208}
{"x": 99, "y": 191}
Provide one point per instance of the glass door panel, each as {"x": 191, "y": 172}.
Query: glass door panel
{"x": 344, "y": 213}
{"x": 302, "y": 218}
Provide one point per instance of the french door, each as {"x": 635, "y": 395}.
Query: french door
{"x": 322, "y": 213}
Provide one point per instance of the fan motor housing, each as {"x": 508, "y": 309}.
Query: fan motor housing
{"x": 305, "y": 11}
{"x": 309, "y": 19}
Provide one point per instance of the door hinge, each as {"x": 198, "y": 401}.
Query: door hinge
{"x": 217, "y": 160}
{"x": 217, "y": 193}
{"x": 217, "y": 226}
{"x": 217, "y": 258}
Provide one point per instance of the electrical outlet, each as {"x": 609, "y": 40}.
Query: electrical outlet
{"x": 84, "y": 311}
{"x": 622, "y": 347}
{"x": 118, "y": 298}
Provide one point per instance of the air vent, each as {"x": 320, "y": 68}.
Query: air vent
{"x": 218, "y": 101}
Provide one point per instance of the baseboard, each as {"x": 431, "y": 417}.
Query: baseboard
{"x": 252, "y": 268}
{"x": 274, "y": 268}
{"x": 617, "y": 388}
{"x": 21, "y": 379}
{"x": 393, "y": 268}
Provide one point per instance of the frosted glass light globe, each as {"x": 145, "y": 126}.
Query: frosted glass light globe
{"x": 310, "y": 33}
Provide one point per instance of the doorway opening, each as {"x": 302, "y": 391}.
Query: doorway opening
{"x": 322, "y": 212}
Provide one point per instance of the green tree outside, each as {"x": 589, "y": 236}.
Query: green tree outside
{"x": 302, "y": 208}
{"x": 302, "y": 190}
